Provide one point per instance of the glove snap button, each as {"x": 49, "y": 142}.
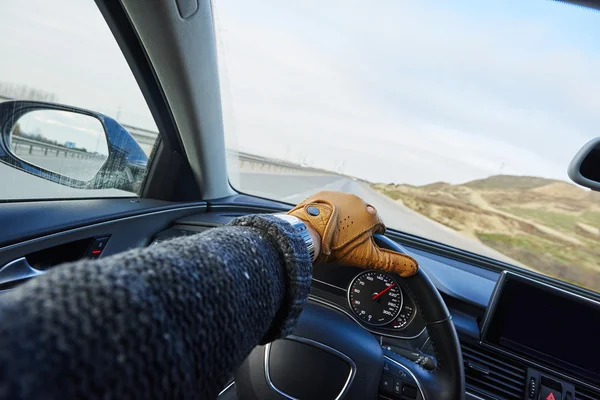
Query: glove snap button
{"x": 314, "y": 211}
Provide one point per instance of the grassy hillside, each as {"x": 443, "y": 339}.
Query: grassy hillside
{"x": 548, "y": 225}
{"x": 509, "y": 182}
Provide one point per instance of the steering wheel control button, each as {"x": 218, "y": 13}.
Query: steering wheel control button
{"x": 386, "y": 385}
{"x": 398, "y": 387}
{"x": 394, "y": 370}
{"x": 314, "y": 211}
{"x": 409, "y": 391}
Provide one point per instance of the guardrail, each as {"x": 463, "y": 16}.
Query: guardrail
{"x": 254, "y": 163}
{"x": 25, "y": 146}
{"x": 249, "y": 162}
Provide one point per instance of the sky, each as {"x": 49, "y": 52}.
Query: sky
{"x": 64, "y": 47}
{"x": 392, "y": 90}
{"x": 83, "y": 131}
{"x": 412, "y": 91}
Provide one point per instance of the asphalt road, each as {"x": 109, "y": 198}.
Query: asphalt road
{"x": 290, "y": 187}
{"x": 76, "y": 168}
{"x": 16, "y": 185}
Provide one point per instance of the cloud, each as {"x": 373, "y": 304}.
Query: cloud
{"x": 63, "y": 126}
{"x": 411, "y": 91}
{"x": 70, "y": 51}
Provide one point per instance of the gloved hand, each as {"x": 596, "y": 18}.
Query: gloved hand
{"x": 346, "y": 225}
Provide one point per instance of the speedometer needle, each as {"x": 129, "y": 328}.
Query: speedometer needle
{"x": 383, "y": 291}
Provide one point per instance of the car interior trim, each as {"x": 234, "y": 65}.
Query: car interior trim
{"x": 329, "y": 284}
{"x": 17, "y": 270}
{"x": 535, "y": 364}
{"x": 340, "y": 309}
{"x": 226, "y": 388}
{"x": 29, "y": 220}
{"x": 408, "y": 371}
{"x": 199, "y": 207}
{"x": 318, "y": 345}
{"x": 473, "y": 396}
{"x": 188, "y": 74}
{"x": 425, "y": 343}
{"x": 248, "y": 207}
{"x": 168, "y": 149}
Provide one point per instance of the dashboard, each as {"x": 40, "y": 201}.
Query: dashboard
{"x": 529, "y": 318}
{"x": 476, "y": 298}
{"x": 374, "y": 299}
{"x": 515, "y": 338}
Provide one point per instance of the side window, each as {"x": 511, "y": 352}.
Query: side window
{"x": 73, "y": 121}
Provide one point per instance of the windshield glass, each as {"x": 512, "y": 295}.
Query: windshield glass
{"x": 456, "y": 120}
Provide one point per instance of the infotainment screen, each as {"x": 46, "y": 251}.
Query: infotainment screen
{"x": 545, "y": 324}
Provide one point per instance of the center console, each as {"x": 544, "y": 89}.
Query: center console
{"x": 555, "y": 328}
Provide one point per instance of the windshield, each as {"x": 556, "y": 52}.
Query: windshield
{"x": 455, "y": 119}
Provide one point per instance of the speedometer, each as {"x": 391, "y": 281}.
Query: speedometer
{"x": 375, "y": 298}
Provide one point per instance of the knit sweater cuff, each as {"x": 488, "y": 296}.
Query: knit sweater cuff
{"x": 298, "y": 271}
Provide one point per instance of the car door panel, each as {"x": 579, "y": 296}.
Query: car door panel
{"x": 49, "y": 233}
{"x": 27, "y": 220}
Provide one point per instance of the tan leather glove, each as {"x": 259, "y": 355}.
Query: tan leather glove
{"x": 346, "y": 228}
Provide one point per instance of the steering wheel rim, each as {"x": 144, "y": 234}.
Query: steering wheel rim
{"x": 447, "y": 380}
{"x": 326, "y": 328}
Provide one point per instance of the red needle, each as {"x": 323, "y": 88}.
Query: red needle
{"x": 383, "y": 291}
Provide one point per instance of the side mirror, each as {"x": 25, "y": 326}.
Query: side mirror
{"x": 585, "y": 167}
{"x": 70, "y": 146}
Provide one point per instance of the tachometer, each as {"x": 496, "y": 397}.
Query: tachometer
{"x": 405, "y": 316}
{"x": 375, "y": 298}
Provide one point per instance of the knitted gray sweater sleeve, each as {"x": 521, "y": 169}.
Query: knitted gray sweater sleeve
{"x": 171, "y": 321}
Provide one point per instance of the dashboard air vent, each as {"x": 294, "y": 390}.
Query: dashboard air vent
{"x": 586, "y": 394}
{"x": 492, "y": 375}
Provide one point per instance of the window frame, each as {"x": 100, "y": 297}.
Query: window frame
{"x": 169, "y": 176}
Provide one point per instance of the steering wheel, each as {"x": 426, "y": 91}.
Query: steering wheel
{"x": 330, "y": 343}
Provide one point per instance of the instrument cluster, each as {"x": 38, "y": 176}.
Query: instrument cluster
{"x": 375, "y": 299}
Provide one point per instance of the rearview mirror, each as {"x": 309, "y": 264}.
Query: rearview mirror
{"x": 70, "y": 146}
{"x": 585, "y": 167}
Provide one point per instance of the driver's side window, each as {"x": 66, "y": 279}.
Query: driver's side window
{"x": 73, "y": 121}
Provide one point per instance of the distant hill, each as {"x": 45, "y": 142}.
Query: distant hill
{"x": 435, "y": 186}
{"x": 548, "y": 225}
{"x": 510, "y": 182}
